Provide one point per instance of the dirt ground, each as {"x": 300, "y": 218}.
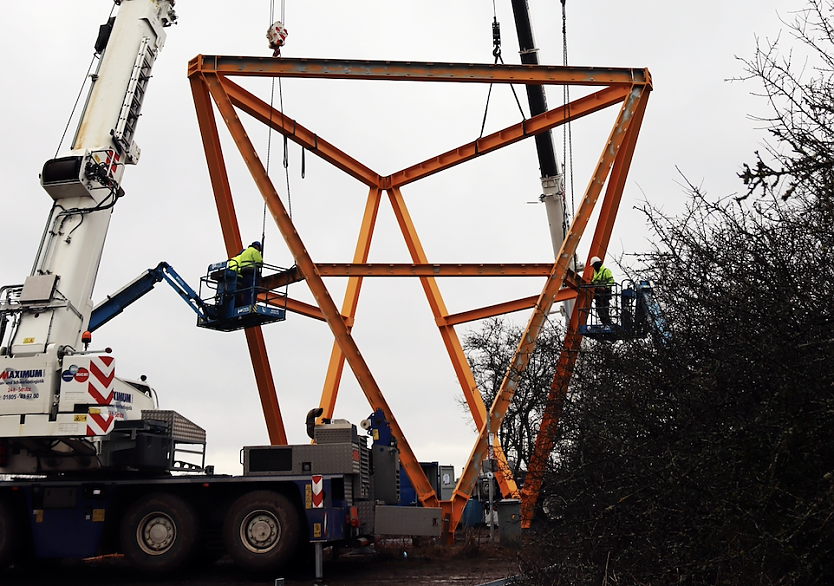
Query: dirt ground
{"x": 471, "y": 562}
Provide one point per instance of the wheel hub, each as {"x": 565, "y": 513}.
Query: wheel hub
{"x": 260, "y": 531}
{"x": 156, "y": 533}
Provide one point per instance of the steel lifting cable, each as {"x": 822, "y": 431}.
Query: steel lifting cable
{"x": 269, "y": 133}
{"x": 567, "y": 138}
{"x": 269, "y": 130}
{"x": 496, "y": 52}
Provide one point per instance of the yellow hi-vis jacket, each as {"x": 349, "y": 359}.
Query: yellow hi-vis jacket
{"x": 249, "y": 259}
{"x": 602, "y": 277}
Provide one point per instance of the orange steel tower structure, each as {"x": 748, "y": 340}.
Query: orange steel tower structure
{"x": 629, "y": 89}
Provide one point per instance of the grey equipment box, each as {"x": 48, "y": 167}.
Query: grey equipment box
{"x": 301, "y": 459}
{"x": 447, "y": 483}
{"x": 386, "y": 477}
{"x": 179, "y": 428}
{"x": 422, "y": 521}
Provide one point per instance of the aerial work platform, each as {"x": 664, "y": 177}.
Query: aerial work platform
{"x": 632, "y": 312}
{"x": 235, "y": 304}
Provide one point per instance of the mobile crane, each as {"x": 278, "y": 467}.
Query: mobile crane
{"x": 88, "y": 463}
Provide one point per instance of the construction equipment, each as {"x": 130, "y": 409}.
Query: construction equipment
{"x": 88, "y": 462}
{"x": 632, "y": 313}
{"x": 60, "y": 400}
{"x": 216, "y": 305}
{"x": 104, "y": 452}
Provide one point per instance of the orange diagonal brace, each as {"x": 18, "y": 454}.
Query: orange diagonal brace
{"x": 512, "y": 134}
{"x": 424, "y": 490}
{"x": 570, "y": 347}
{"x": 260, "y": 110}
{"x": 231, "y": 235}
{"x": 337, "y": 359}
{"x": 504, "y": 308}
{"x": 527, "y": 343}
{"x": 447, "y": 333}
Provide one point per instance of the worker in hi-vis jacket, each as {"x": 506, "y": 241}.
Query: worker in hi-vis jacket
{"x": 247, "y": 265}
{"x": 602, "y": 281}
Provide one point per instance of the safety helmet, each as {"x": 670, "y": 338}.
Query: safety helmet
{"x": 256, "y": 244}
{"x": 595, "y": 260}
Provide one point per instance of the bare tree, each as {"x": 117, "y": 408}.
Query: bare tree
{"x": 800, "y": 96}
{"x": 490, "y": 352}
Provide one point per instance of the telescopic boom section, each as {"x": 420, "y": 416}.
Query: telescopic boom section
{"x": 535, "y": 93}
{"x": 54, "y": 305}
{"x": 86, "y": 181}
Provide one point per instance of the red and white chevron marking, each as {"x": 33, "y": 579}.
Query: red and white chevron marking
{"x": 318, "y": 492}
{"x": 100, "y": 383}
{"x": 100, "y": 424}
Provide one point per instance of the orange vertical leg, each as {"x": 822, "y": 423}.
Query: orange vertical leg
{"x": 528, "y": 341}
{"x": 570, "y": 349}
{"x": 231, "y": 235}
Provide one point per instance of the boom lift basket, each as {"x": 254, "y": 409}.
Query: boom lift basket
{"x": 631, "y": 309}
{"x": 237, "y": 301}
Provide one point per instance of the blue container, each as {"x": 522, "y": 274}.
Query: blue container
{"x": 473, "y": 513}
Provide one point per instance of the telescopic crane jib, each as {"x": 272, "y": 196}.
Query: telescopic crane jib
{"x": 54, "y": 389}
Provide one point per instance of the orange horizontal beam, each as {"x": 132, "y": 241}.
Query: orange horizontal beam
{"x": 424, "y": 270}
{"x": 411, "y": 270}
{"x": 525, "y": 129}
{"x": 294, "y": 306}
{"x": 434, "y": 270}
{"x": 503, "y": 308}
{"x": 417, "y": 71}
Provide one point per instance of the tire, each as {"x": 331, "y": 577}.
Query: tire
{"x": 262, "y": 531}
{"x": 159, "y": 533}
{"x": 8, "y": 543}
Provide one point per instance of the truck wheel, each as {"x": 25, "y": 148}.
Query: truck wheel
{"x": 7, "y": 536}
{"x": 159, "y": 533}
{"x": 262, "y": 531}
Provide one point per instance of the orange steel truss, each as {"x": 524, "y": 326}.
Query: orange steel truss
{"x": 627, "y": 88}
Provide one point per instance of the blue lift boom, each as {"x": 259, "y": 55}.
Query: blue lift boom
{"x": 220, "y": 310}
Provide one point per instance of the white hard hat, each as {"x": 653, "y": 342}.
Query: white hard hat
{"x": 595, "y": 260}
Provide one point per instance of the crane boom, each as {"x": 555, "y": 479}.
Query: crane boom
{"x": 49, "y": 386}
{"x": 552, "y": 180}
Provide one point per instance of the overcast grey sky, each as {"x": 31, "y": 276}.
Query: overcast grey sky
{"x": 479, "y": 212}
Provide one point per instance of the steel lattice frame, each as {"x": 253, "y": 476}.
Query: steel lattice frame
{"x": 628, "y": 88}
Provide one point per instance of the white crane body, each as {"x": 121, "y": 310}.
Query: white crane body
{"x": 50, "y": 386}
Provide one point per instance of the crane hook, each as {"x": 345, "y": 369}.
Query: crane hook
{"x": 496, "y": 39}
{"x": 277, "y": 36}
